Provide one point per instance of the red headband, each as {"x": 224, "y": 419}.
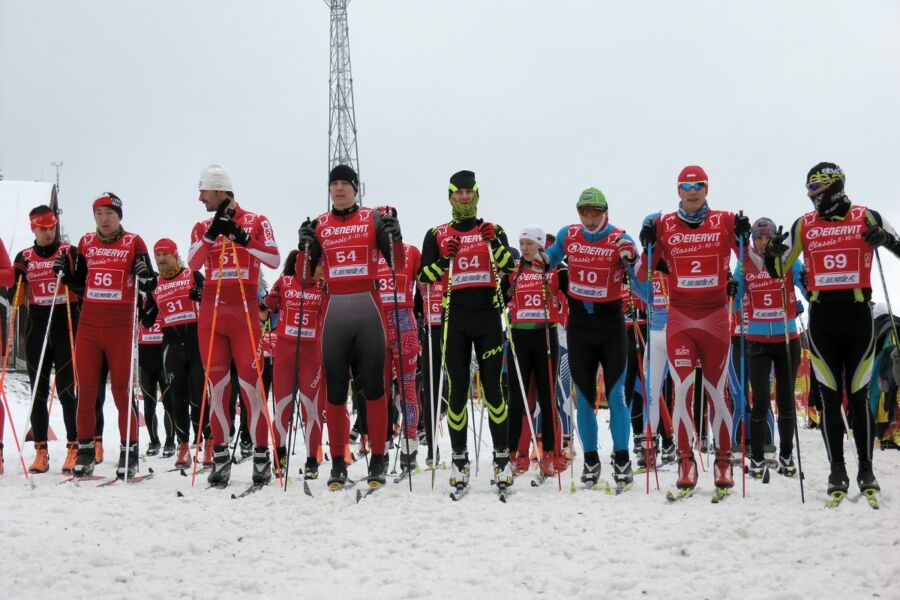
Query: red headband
{"x": 166, "y": 245}
{"x": 44, "y": 221}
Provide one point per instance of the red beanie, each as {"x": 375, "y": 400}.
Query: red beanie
{"x": 166, "y": 245}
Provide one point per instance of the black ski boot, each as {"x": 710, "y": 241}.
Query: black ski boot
{"x": 221, "y": 469}
{"x": 168, "y": 448}
{"x": 408, "y": 451}
{"x": 84, "y": 463}
{"x": 503, "y": 473}
{"x": 153, "y": 448}
{"x": 865, "y": 478}
{"x": 838, "y": 481}
{"x": 590, "y": 474}
{"x": 622, "y": 472}
{"x": 377, "y": 468}
{"x": 338, "y": 473}
{"x": 311, "y": 469}
{"x": 786, "y": 466}
{"x": 667, "y": 453}
{"x": 459, "y": 470}
{"x": 132, "y": 467}
{"x": 756, "y": 468}
{"x": 246, "y": 450}
{"x": 262, "y": 466}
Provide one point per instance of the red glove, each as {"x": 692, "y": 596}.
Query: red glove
{"x": 449, "y": 247}
{"x": 488, "y": 231}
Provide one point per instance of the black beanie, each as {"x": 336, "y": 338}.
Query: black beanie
{"x": 463, "y": 180}
{"x": 828, "y": 174}
{"x": 344, "y": 173}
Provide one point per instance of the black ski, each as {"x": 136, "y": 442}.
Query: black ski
{"x": 459, "y": 493}
{"x": 250, "y": 490}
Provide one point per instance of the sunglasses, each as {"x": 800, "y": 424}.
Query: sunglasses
{"x": 697, "y": 185}
{"x": 815, "y": 186}
{"x": 590, "y": 210}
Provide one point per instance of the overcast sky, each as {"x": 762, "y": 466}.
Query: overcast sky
{"x": 540, "y": 99}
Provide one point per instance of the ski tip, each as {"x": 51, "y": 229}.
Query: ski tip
{"x": 179, "y": 495}
{"x": 234, "y": 496}
{"x": 358, "y": 496}
{"x": 150, "y": 470}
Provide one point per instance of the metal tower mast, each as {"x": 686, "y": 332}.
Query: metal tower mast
{"x": 342, "y": 148}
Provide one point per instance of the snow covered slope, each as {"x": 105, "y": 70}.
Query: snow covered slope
{"x": 142, "y": 540}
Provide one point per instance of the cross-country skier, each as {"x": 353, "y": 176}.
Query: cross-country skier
{"x": 175, "y": 300}
{"x": 35, "y": 264}
{"x": 152, "y": 380}
{"x": 598, "y": 255}
{"x": 696, "y": 242}
{"x": 109, "y": 265}
{"x": 838, "y": 240}
{"x": 471, "y": 253}
{"x": 245, "y": 241}
{"x": 284, "y": 299}
{"x": 348, "y": 241}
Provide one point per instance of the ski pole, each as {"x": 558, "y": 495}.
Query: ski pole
{"x": 207, "y": 366}
{"x": 9, "y": 339}
{"x": 743, "y": 371}
{"x": 264, "y": 406}
{"x": 446, "y": 321}
{"x": 887, "y": 298}
{"x": 40, "y": 365}
{"x": 551, "y": 380}
{"x": 297, "y": 346}
{"x": 131, "y": 376}
{"x": 431, "y": 411}
{"x": 790, "y": 369}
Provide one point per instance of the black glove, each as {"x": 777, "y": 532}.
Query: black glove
{"x": 234, "y": 232}
{"x": 731, "y": 288}
{"x": 391, "y": 226}
{"x": 143, "y": 275}
{"x": 648, "y": 234}
{"x": 61, "y": 264}
{"x": 776, "y": 246}
{"x": 215, "y": 228}
{"x": 742, "y": 227}
{"x": 876, "y": 236}
{"x": 804, "y": 280}
{"x": 306, "y": 234}
{"x": 195, "y": 294}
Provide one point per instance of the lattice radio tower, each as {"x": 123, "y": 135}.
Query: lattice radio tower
{"x": 342, "y": 148}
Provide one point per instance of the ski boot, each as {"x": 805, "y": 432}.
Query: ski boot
{"x": 756, "y": 468}
{"x": 168, "y": 449}
{"x": 153, "y": 448}
{"x": 838, "y": 481}
{"x": 786, "y": 466}
{"x": 722, "y": 471}
{"x": 84, "y": 462}
{"x": 131, "y": 468}
{"x": 41, "y": 462}
{"x": 521, "y": 462}
{"x": 622, "y": 472}
{"x": 183, "y": 461}
{"x": 503, "y": 474}
{"x": 377, "y": 470}
{"x": 459, "y": 470}
{"x": 704, "y": 444}
{"x": 311, "y": 469}
{"x": 338, "y": 478}
{"x": 262, "y": 466}
{"x": 98, "y": 450}
{"x": 640, "y": 451}
{"x": 280, "y": 462}
{"x": 354, "y": 434}
{"x": 771, "y": 456}
{"x": 865, "y": 478}
{"x": 71, "y": 456}
{"x": 668, "y": 453}
{"x": 590, "y": 474}
{"x": 687, "y": 470}
{"x": 408, "y": 450}
{"x": 221, "y": 470}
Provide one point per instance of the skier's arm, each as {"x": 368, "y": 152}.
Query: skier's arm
{"x": 199, "y": 249}
{"x": 557, "y": 252}
{"x": 433, "y": 264}
{"x": 148, "y": 310}
{"x": 788, "y": 250}
{"x": 262, "y": 244}
{"x": 500, "y": 250}
{"x": 889, "y": 238}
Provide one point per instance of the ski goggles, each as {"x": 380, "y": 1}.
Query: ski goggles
{"x": 695, "y": 186}
{"x": 815, "y": 186}
{"x": 586, "y": 211}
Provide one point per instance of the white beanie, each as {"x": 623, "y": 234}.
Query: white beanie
{"x": 533, "y": 233}
{"x": 215, "y": 178}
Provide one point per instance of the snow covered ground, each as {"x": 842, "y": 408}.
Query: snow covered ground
{"x": 144, "y": 541}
